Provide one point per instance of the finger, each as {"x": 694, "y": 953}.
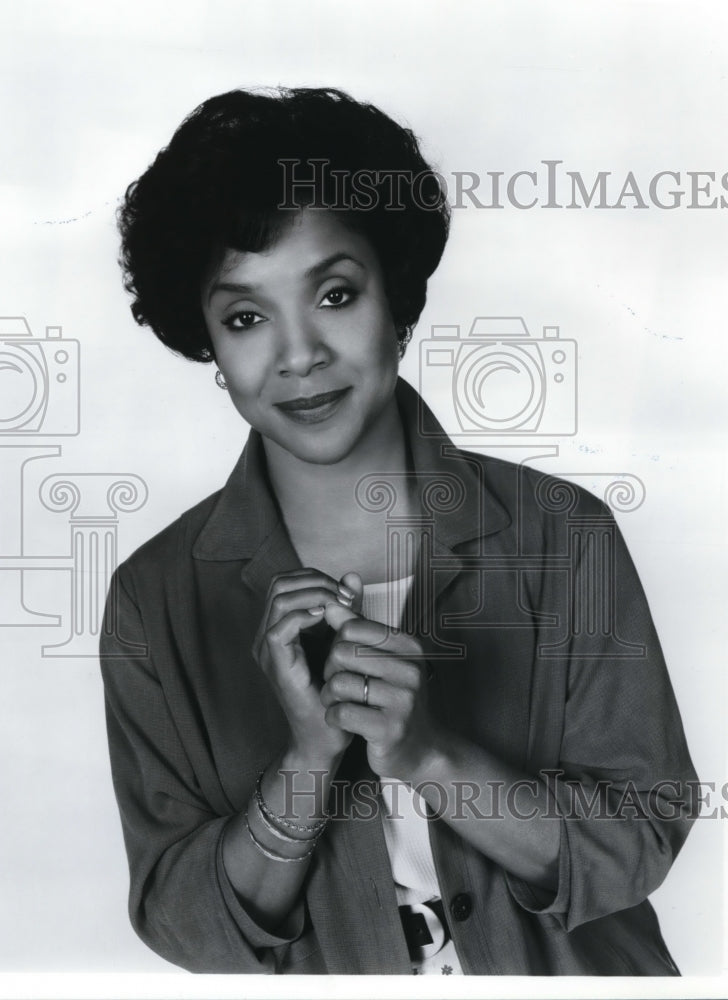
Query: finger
{"x": 353, "y": 584}
{"x": 378, "y": 636}
{"x": 351, "y": 658}
{"x": 303, "y": 571}
{"x": 359, "y": 719}
{"x": 336, "y": 615}
{"x": 354, "y": 687}
{"x": 276, "y": 604}
{"x": 300, "y": 579}
{"x": 294, "y": 580}
{"x": 301, "y": 600}
{"x": 351, "y": 627}
{"x": 279, "y": 640}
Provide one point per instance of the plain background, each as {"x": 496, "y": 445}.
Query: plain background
{"x": 90, "y": 92}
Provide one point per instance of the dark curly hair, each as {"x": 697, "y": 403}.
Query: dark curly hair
{"x": 224, "y": 182}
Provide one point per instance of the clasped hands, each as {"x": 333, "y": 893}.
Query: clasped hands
{"x": 381, "y": 695}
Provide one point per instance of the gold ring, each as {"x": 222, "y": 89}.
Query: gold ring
{"x": 365, "y": 699}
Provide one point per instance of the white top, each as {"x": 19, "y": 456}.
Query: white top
{"x": 406, "y": 829}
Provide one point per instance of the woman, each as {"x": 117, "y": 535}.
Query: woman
{"x": 353, "y": 723}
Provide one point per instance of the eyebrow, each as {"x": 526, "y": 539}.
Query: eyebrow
{"x": 313, "y": 272}
{"x": 327, "y": 262}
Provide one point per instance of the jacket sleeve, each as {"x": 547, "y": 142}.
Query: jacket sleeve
{"x": 181, "y": 903}
{"x": 623, "y": 786}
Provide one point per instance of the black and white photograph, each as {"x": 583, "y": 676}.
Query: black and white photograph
{"x": 362, "y": 435}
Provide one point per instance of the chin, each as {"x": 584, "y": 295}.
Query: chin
{"x": 311, "y": 445}
{"x": 320, "y": 453}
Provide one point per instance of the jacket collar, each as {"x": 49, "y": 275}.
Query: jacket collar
{"x": 455, "y": 498}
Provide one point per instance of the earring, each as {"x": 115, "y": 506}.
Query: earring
{"x": 220, "y": 380}
{"x": 404, "y": 335}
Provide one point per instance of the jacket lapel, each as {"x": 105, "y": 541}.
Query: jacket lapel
{"x": 456, "y": 507}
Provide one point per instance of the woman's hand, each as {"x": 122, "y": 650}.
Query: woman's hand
{"x": 395, "y": 721}
{"x": 296, "y": 601}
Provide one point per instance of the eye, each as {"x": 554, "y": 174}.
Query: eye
{"x": 243, "y": 319}
{"x": 340, "y": 296}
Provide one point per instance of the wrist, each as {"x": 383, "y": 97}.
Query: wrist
{"x": 296, "y": 788}
{"x": 306, "y": 760}
{"x": 437, "y": 762}
{"x": 288, "y": 841}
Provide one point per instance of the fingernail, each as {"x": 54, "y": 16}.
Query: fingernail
{"x": 315, "y": 611}
{"x": 343, "y": 589}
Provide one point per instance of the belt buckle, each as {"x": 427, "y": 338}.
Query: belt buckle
{"x": 423, "y": 930}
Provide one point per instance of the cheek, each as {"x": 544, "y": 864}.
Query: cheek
{"x": 246, "y": 365}
{"x": 247, "y": 386}
{"x": 248, "y": 400}
{"x": 388, "y": 351}
{"x": 376, "y": 342}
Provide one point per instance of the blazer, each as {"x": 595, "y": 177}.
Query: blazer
{"x": 540, "y": 647}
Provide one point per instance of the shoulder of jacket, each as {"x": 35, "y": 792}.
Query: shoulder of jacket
{"x": 513, "y": 484}
{"x": 161, "y": 550}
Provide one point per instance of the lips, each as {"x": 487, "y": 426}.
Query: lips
{"x": 313, "y": 409}
{"x": 311, "y": 402}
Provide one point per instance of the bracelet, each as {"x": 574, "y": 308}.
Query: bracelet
{"x": 315, "y": 828}
{"x": 271, "y": 854}
{"x": 280, "y": 834}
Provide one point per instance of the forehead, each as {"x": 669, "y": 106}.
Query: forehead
{"x": 309, "y": 237}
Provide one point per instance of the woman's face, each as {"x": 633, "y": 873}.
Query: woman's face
{"x": 304, "y": 337}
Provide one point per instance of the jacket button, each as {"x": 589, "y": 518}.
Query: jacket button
{"x": 461, "y": 906}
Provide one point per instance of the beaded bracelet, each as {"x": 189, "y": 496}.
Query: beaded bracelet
{"x": 280, "y": 834}
{"x": 271, "y": 854}
{"x": 311, "y": 828}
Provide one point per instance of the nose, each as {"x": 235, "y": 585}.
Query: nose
{"x": 301, "y": 348}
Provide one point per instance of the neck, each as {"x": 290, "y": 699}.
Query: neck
{"x": 304, "y": 488}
